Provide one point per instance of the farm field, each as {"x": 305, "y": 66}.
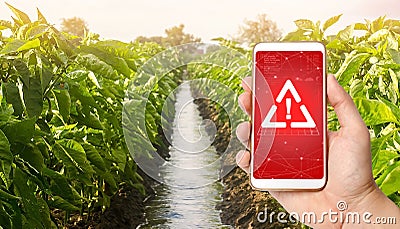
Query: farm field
{"x": 98, "y": 133}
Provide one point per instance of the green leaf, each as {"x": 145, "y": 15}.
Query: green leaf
{"x": 59, "y": 203}
{"x": 391, "y": 23}
{"x": 382, "y": 46}
{"x": 395, "y": 109}
{"x": 30, "y": 204}
{"x": 12, "y": 46}
{"x": 22, "y": 70}
{"x": 16, "y": 45}
{"x": 45, "y": 78}
{"x": 304, "y": 24}
{"x": 295, "y": 36}
{"x": 59, "y": 185}
{"x": 379, "y": 35}
{"x": 351, "y": 66}
{"x": 374, "y": 112}
{"x": 5, "y": 217}
{"x": 395, "y": 55}
{"x": 73, "y": 156}
{"x": 89, "y": 120}
{"x": 131, "y": 174}
{"x": 29, "y": 45}
{"x": 116, "y": 62}
{"x": 63, "y": 102}
{"x": 5, "y": 196}
{"x": 346, "y": 34}
{"x": 390, "y": 182}
{"x": 94, "y": 156}
{"x": 6, "y": 156}
{"x": 80, "y": 92}
{"x": 357, "y": 88}
{"x": 336, "y": 44}
{"x": 44, "y": 212}
{"x": 382, "y": 160}
{"x": 365, "y": 48}
{"x": 17, "y": 22}
{"x": 33, "y": 156}
{"x": 33, "y": 97}
{"x": 93, "y": 78}
{"x": 331, "y": 21}
{"x": 64, "y": 44}
{"x": 37, "y": 31}
{"x": 395, "y": 82}
{"x": 109, "y": 178}
{"x": 99, "y": 67}
{"x": 20, "y": 131}
{"x": 40, "y": 17}
{"x": 13, "y": 97}
{"x": 5, "y": 25}
{"x": 381, "y": 85}
{"x": 377, "y": 24}
{"x": 23, "y": 17}
{"x": 120, "y": 157}
{"x": 360, "y": 26}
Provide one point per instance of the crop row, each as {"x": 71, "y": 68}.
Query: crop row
{"x": 62, "y": 142}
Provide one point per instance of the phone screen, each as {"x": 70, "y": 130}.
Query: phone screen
{"x": 288, "y": 119}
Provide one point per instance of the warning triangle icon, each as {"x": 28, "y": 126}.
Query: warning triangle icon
{"x": 288, "y": 86}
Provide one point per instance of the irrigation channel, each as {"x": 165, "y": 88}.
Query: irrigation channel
{"x": 189, "y": 195}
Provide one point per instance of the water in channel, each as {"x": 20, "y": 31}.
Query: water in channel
{"x": 189, "y": 197}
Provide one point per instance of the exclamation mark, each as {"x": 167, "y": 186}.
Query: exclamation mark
{"x": 288, "y": 105}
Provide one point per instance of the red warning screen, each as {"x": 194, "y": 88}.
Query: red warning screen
{"x": 288, "y": 115}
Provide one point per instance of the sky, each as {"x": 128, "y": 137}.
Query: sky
{"x": 207, "y": 19}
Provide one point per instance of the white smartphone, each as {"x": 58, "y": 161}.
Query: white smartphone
{"x": 288, "y": 139}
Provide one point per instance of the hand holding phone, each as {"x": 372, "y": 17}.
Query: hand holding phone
{"x": 350, "y": 179}
{"x": 288, "y": 139}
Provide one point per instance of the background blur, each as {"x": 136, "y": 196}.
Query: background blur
{"x": 207, "y": 19}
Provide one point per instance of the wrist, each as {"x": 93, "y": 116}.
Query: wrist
{"x": 369, "y": 200}
{"x": 372, "y": 208}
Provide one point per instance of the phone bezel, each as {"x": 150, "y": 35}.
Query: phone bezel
{"x": 291, "y": 184}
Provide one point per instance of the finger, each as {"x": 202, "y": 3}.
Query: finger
{"x": 247, "y": 83}
{"x": 346, "y": 110}
{"x": 245, "y": 102}
{"x": 243, "y": 160}
{"x": 243, "y": 133}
